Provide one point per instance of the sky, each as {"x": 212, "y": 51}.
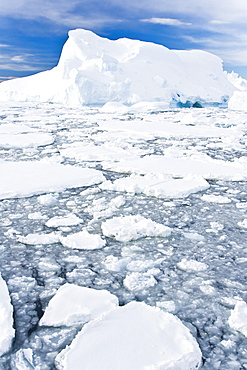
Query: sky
{"x": 32, "y": 32}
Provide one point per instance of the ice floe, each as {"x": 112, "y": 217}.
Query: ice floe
{"x": 192, "y": 265}
{"x": 201, "y": 165}
{"x": 127, "y": 228}
{"x": 67, "y": 220}
{"x": 238, "y": 318}
{"x": 134, "y": 337}
{"x": 7, "y": 331}
{"x": 27, "y": 178}
{"x": 74, "y": 304}
{"x": 83, "y": 240}
{"x": 36, "y": 239}
{"x": 158, "y": 185}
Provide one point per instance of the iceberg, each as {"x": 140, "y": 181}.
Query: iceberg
{"x": 95, "y": 70}
{"x": 134, "y": 337}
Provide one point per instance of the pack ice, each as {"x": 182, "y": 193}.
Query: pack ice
{"x": 95, "y": 70}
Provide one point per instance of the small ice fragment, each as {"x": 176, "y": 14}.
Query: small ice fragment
{"x": 137, "y": 281}
{"x": 68, "y": 220}
{"x": 191, "y": 265}
{"x": 35, "y": 239}
{"x": 215, "y": 199}
{"x": 127, "y": 228}
{"x": 83, "y": 240}
{"x": 238, "y": 318}
{"x": 243, "y": 223}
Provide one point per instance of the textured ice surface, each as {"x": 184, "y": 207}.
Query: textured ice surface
{"x": 209, "y": 237}
{"x": 129, "y": 228}
{"x": 158, "y": 185}
{"x": 6, "y": 319}
{"x": 133, "y": 337}
{"x": 73, "y": 304}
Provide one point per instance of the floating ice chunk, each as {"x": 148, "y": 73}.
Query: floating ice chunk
{"x": 112, "y": 263}
{"x": 83, "y": 240}
{"x": 215, "y": 198}
{"x": 114, "y": 340}
{"x": 25, "y": 140}
{"x": 15, "y": 129}
{"x": 194, "y": 236}
{"x": 199, "y": 164}
{"x": 48, "y": 199}
{"x": 36, "y": 239}
{"x": 68, "y": 220}
{"x": 192, "y": 265}
{"x": 74, "y": 304}
{"x": 37, "y": 216}
{"x": 127, "y": 228}
{"x": 6, "y": 319}
{"x": 137, "y": 281}
{"x": 25, "y": 179}
{"x": 243, "y": 223}
{"x": 91, "y": 152}
{"x": 101, "y": 208}
{"x": 238, "y": 317}
{"x": 158, "y": 185}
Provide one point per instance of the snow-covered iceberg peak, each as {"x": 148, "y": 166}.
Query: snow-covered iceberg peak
{"x": 96, "y": 70}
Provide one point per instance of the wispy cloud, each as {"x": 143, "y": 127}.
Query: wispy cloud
{"x": 167, "y": 22}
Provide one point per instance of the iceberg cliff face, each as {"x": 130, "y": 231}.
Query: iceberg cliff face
{"x": 95, "y": 70}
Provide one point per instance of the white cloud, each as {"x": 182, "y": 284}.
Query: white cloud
{"x": 18, "y": 58}
{"x": 166, "y": 21}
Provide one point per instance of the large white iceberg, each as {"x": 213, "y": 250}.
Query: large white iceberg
{"x": 95, "y": 70}
{"x": 6, "y": 319}
{"x": 134, "y": 337}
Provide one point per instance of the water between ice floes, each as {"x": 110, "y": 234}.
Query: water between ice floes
{"x": 199, "y": 272}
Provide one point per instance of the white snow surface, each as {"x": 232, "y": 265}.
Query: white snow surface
{"x": 73, "y": 304}
{"x": 134, "y": 337}
{"x": 27, "y": 178}
{"x": 238, "y": 317}
{"x": 7, "y": 331}
{"x": 127, "y": 228}
{"x": 95, "y": 70}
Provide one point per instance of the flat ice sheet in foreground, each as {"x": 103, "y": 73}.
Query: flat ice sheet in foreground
{"x": 201, "y": 165}
{"x": 158, "y": 185}
{"x": 127, "y": 228}
{"x": 6, "y": 319}
{"x": 134, "y": 337}
{"x": 24, "y": 179}
{"x": 74, "y": 304}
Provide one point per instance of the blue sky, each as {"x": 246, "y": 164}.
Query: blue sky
{"x": 32, "y": 32}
